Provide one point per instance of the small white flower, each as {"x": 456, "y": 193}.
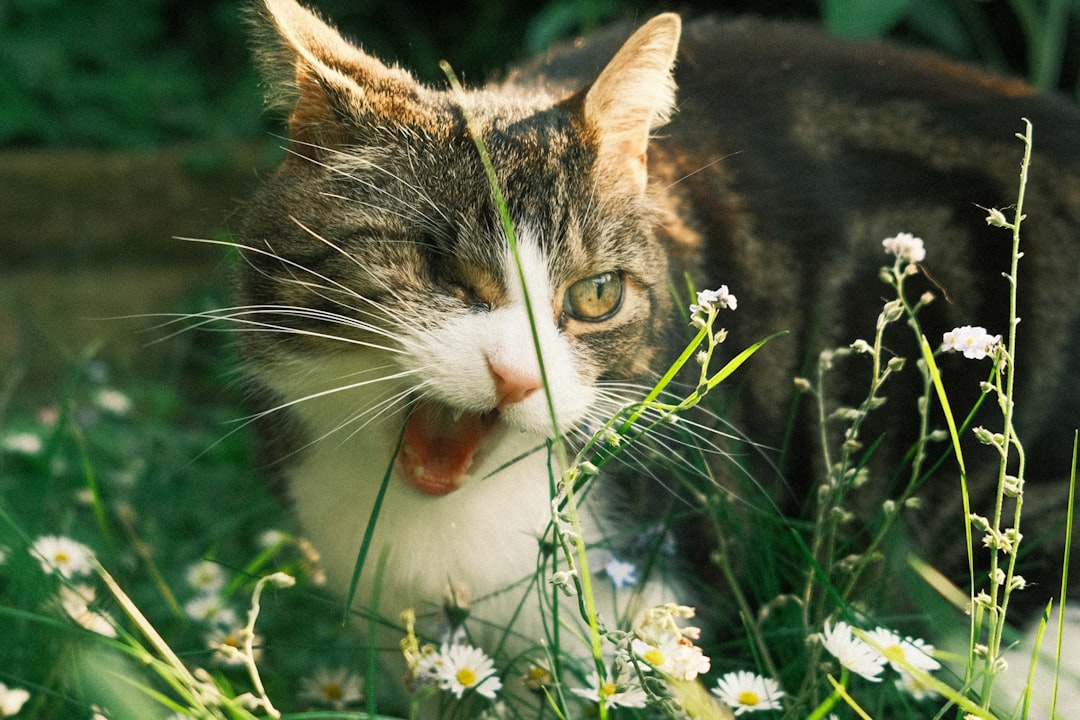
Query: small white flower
{"x": 333, "y": 687}
{"x": 228, "y": 646}
{"x": 688, "y": 661}
{"x": 62, "y": 554}
{"x": 462, "y": 667}
{"x": 12, "y": 700}
{"x": 206, "y": 576}
{"x": 897, "y": 650}
{"x": 625, "y": 691}
{"x": 271, "y": 538}
{"x": 718, "y": 299}
{"x": 661, "y": 623}
{"x": 673, "y": 656}
{"x": 496, "y": 711}
{"x": 429, "y": 666}
{"x": 23, "y": 443}
{"x": 851, "y": 652}
{"x": 211, "y": 609}
{"x": 910, "y": 684}
{"x": 76, "y": 603}
{"x": 906, "y": 247}
{"x": 974, "y": 342}
{"x": 113, "y": 401}
{"x": 744, "y": 692}
{"x": 622, "y": 574}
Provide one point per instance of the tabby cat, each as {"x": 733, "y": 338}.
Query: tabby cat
{"x": 393, "y": 357}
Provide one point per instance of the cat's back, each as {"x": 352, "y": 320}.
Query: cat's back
{"x": 793, "y": 154}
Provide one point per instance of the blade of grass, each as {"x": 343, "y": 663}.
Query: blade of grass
{"x": 1070, "y": 510}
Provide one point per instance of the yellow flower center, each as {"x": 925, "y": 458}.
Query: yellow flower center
{"x": 894, "y": 653}
{"x": 466, "y": 677}
{"x": 748, "y": 698}
{"x": 61, "y": 557}
{"x": 332, "y": 691}
{"x": 607, "y": 690}
{"x": 654, "y": 657}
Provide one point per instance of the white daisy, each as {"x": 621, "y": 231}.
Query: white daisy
{"x": 211, "y": 609}
{"x": 851, "y": 652}
{"x": 23, "y": 443}
{"x": 113, "y": 401}
{"x": 272, "y": 538}
{"x": 622, "y": 692}
{"x": 744, "y": 692}
{"x": 915, "y": 688}
{"x": 464, "y": 667}
{"x": 12, "y": 700}
{"x": 912, "y": 651}
{"x": 336, "y": 688}
{"x": 206, "y": 576}
{"x": 76, "y": 603}
{"x": 228, "y": 646}
{"x": 62, "y": 554}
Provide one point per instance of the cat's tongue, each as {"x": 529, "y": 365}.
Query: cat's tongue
{"x": 438, "y": 448}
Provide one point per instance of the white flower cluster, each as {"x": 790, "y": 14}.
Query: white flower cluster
{"x": 974, "y": 342}
{"x": 905, "y": 246}
{"x": 224, "y": 627}
{"x": 709, "y": 301}
{"x": 667, "y": 646}
{"x": 336, "y": 688}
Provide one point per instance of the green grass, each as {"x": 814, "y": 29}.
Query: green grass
{"x": 154, "y": 481}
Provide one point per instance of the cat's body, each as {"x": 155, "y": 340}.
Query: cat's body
{"x": 379, "y": 265}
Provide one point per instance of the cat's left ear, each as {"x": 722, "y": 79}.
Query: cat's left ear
{"x": 634, "y": 94}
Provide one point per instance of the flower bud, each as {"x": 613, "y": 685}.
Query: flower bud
{"x": 996, "y": 218}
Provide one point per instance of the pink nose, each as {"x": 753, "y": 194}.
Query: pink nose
{"x": 511, "y": 385}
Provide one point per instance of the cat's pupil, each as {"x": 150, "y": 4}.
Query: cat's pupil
{"x": 594, "y": 298}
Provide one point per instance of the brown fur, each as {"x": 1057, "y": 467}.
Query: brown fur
{"x": 789, "y": 159}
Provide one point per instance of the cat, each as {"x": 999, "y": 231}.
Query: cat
{"x": 392, "y": 356}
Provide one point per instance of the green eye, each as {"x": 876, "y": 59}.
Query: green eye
{"x": 595, "y": 298}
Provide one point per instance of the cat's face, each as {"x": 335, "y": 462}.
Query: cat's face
{"x": 378, "y": 249}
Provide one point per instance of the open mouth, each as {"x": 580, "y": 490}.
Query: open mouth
{"x": 440, "y": 444}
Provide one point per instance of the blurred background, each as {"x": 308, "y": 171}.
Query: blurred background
{"x": 125, "y": 124}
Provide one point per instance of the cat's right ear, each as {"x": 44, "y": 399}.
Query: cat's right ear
{"x": 330, "y": 88}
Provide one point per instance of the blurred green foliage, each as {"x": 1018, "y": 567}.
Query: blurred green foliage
{"x": 123, "y": 73}
{"x": 136, "y": 73}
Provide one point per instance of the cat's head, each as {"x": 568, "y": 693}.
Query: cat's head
{"x": 377, "y": 261}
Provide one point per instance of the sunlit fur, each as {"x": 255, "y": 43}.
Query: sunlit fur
{"x": 377, "y": 257}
